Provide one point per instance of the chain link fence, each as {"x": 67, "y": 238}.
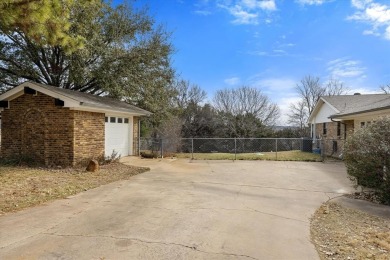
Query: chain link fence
{"x": 232, "y": 148}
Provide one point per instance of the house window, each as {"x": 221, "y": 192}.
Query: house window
{"x": 120, "y": 120}
{"x": 106, "y": 119}
{"x": 362, "y": 124}
{"x": 126, "y": 120}
{"x": 338, "y": 128}
{"x": 112, "y": 119}
{"x": 324, "y": 129}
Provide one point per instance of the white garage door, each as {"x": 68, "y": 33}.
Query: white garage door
{"x": 117, "y": 135}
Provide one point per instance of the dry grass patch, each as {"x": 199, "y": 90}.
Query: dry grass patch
{"x": 23, "y": 187}
{"x": 272, "y": 156}
{"x": 342, "y": 233}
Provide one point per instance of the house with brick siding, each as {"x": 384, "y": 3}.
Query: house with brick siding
{"x": 56, "y": 126}
{"x": 336, "y": 117}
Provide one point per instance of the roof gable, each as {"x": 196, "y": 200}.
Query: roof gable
{"x": 322, "y": 110}
{"x": 356, "y": 104}
{"x": 352, "y": 104}
{"x": 77, "y": 100}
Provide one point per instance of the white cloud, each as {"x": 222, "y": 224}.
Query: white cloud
{"x": 203, "y": 12}
{"x": 363, "y": 90}
{"x": 387, "y": 33}
{"x": 370, "y": 32}
{"x": 360, "y": 4}
{"x": 247, "y": 11}
{"x": 280, "y": 91}
{"x": 312, "y": 2}
{"x": 275, "y": 85}
{"x": 284, "y": 106}
{"x": 375, "y": 14}
{"x": 232, "y": 81}
{"x": 261, "y": 4}
{"x": 242, "y": 16}
{"x": 346, "y": 68}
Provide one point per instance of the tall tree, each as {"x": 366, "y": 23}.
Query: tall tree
{"x": 186, "y": 94}
{"x": 298, "y": 117}
{"x": 244, "y": 111}
{"x": 126, "y": 55}
{"x": 45, "y": 21}
{"x": 199, "y": 121}
{"x": 309, "y": 90}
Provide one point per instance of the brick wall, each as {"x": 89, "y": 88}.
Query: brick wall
{"x": 136, "y": 135}
{"x": 88, "y": 135}
{"x": 333, "y": 143}
{"x": 34, "y": 128}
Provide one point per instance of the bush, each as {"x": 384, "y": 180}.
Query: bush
{"x": 149, "y": 154}
{"x": 113, "y": 158}
{"x": 367, "y": 157}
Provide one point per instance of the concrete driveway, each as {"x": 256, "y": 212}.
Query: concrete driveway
{"x": 182, "y": 210}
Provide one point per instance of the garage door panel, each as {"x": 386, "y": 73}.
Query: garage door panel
{"x": 117, "y": 138}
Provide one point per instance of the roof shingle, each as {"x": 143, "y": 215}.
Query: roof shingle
{"x": 353, "y": 104}
{"x": 90, "y": 100}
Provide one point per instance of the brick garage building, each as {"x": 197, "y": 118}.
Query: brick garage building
{"x": 334, "y": 118}
{"x": 56, "y": 126}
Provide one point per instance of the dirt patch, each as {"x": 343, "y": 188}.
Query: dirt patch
{"x": 23, "y": 187}
{"x": 342, "y": 233}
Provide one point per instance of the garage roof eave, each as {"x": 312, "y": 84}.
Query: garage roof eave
{"x": 78, "y": 100}
{"x": 107, "y": 110}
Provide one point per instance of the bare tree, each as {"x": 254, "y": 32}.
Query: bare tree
{"x": 298, "y": 114}
{"x": 310, "y": 90}
{"x": 245, "y": 111}
{"x": 187, "y": 93}
{"x": 385, "y": 89}
{"x": 335, "y": 87}
{"x": 246, "y": 100}
{"x": 170, "y": 132}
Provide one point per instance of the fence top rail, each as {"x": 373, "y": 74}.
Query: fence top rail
{"x": 230, "y": 138}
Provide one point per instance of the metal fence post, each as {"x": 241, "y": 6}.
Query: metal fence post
{"x": 192, "y": 148}
{"x": 139, "y": 137}
{"x": 276, "y": 148}
{"x": 235, "y": 148}
{"x": 161, "y": 140}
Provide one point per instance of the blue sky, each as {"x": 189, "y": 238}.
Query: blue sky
{"x": 272, "y": 44}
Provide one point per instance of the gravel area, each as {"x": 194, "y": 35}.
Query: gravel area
{"x": 343, "y": 233}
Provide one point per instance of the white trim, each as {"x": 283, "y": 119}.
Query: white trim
{"x": 105, "y": 111}
{"x": 68, "y": 102}
{"x": 18, "y": 91}
{"x": 318, "y": 107}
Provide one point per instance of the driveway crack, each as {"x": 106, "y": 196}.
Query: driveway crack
{"x": 275, "y": 215}
{"x": 253, "y": 186}
{"x": 155, "y": 242}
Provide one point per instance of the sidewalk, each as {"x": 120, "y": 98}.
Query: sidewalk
{"x": 382, "y": 211}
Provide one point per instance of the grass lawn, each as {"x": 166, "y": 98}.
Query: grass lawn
{"x": 22, "y": 187}
{"x": 281, "y": 156}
